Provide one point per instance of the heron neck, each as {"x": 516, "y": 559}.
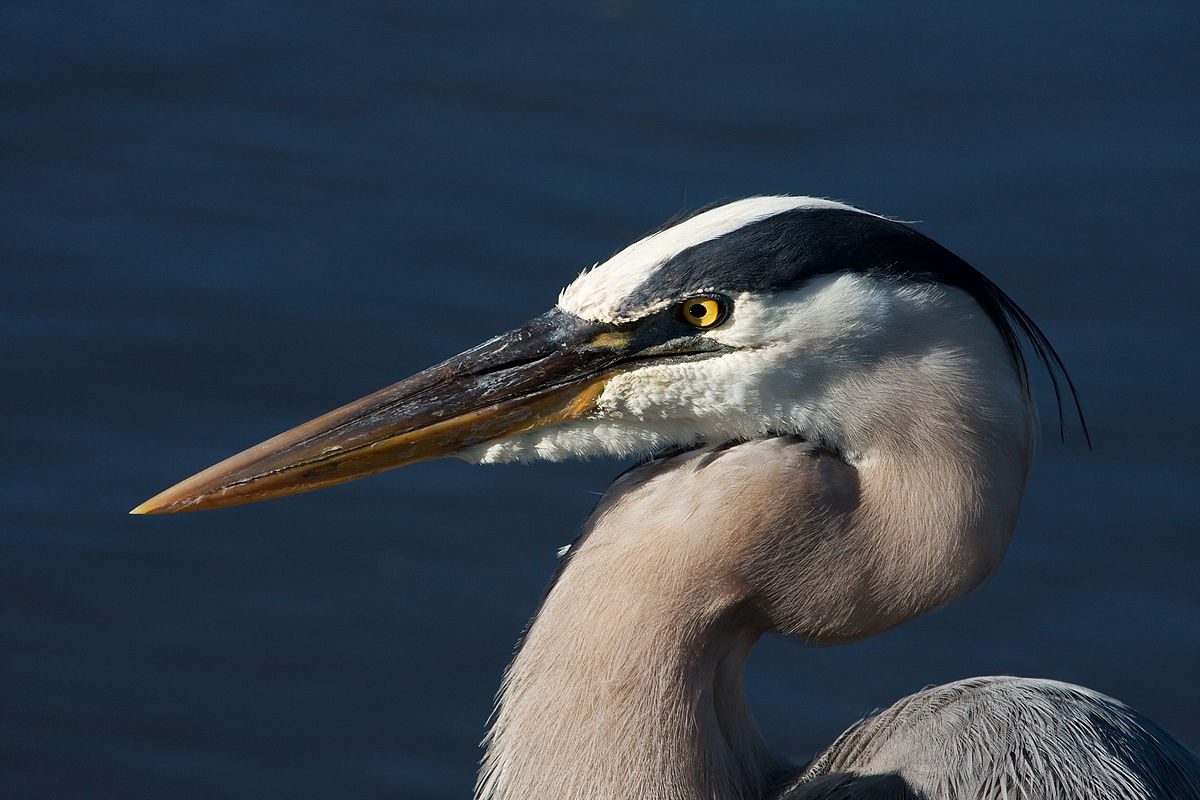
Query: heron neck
{"x": 628, "y": 684}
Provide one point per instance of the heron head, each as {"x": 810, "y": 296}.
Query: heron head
{"x": 768, "y": 315}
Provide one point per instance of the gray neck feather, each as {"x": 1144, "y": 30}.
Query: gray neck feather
{"x": 628, "y": 684}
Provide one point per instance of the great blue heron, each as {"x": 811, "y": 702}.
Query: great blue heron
{"x": 841, "y": 426}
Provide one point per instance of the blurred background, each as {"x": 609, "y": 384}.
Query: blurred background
{"x": 218, "y": 220}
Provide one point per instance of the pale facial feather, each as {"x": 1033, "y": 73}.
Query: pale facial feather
{"x": 802, "y": 365}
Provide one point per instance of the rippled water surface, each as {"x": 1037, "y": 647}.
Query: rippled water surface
{"x": 218, "y": 220}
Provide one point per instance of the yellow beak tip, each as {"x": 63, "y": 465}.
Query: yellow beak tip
{"x": 145, "y": 508}
{"x": 155, "y": 505}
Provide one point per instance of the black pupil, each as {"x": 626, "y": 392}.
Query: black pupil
{"x": 698, "y": 311}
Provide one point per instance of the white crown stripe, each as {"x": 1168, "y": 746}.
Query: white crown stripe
{"x": 598, "y": 292}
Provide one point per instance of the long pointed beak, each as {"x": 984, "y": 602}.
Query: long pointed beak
{"x": 550, "y": 370}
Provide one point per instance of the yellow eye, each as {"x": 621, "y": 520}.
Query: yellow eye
{"x": 704, "y": 312}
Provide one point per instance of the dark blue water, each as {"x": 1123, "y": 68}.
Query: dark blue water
{"x": 218, "y": 220}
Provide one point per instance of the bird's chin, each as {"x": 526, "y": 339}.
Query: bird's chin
{"x": 582, "y": 439}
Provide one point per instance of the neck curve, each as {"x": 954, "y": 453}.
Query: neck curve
{"x": 629, "y": 681}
